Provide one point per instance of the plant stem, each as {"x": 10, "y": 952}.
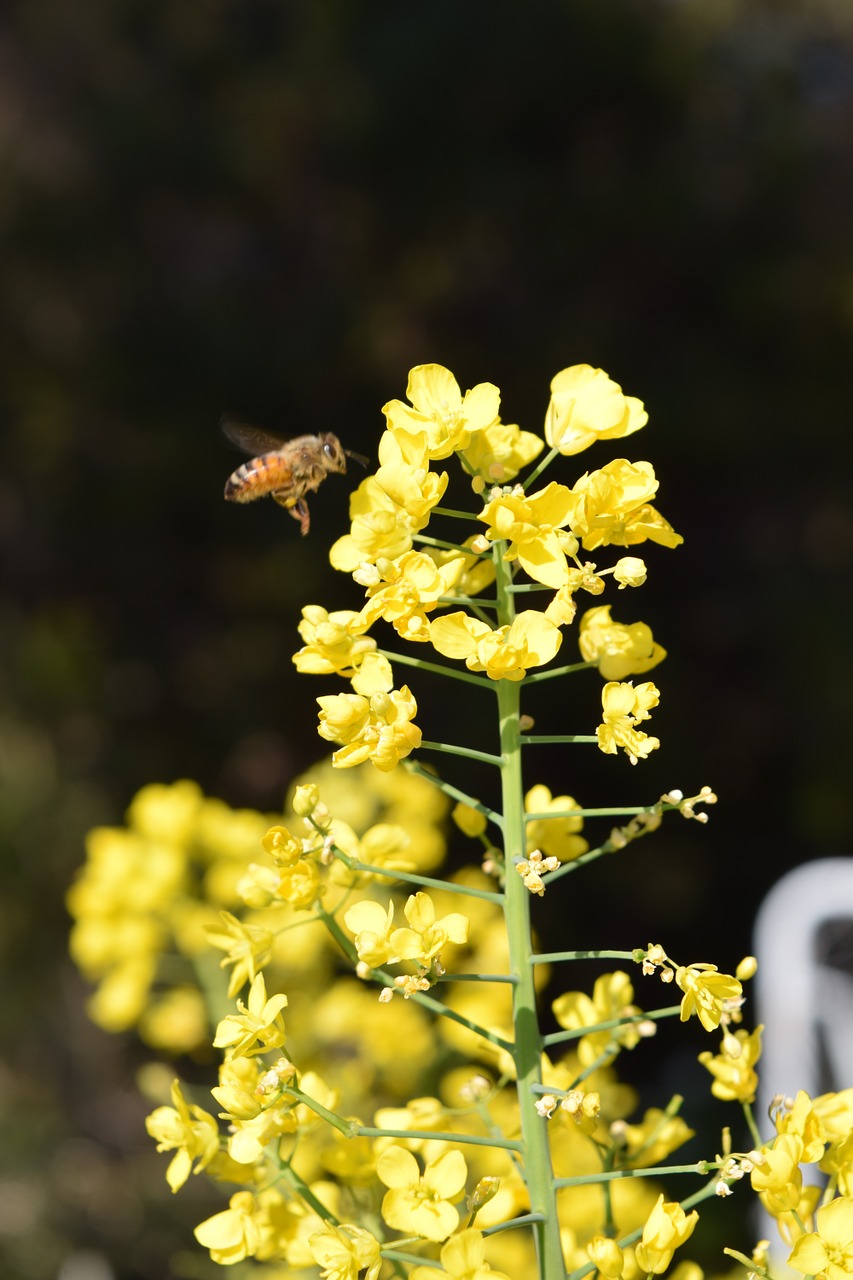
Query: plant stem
{"x": 468, "y": 752}
{"x": 439, "y": 668}
{"x": 527, "y": 1050}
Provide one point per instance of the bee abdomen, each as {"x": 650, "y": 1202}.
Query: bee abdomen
{"x": 255, "y": 479}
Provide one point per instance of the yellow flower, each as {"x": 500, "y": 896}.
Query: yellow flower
{"x": 653, "y": 1139}
{"x": 187, "y": 1130}
{"x": 499, "y": 451}
{"x": 439, "y": 411}
{"x": 247, "y": 947}
{"x": 389, "y": 507}
{"x": 233, "y": 1234}
{"x": 612, "y": 998}
{"x": 418, "y": 1204}
{"x": 463, "y": 1257}
{"x": 343, "y": 1251}
{"x": 430, "y": 935}
{"x": 706, "y": 993}
{"x": 667, "y": 1227}
{"x": 776, "y": 1174}
{"x": 504, "y": 653}
{"x": 607, "y": 1256}
{"x": 533, "y": 526}
{"x": 378, "y": 728}
{"x": 827, "y": 1254}
{"x": 407, "y": 589}
{"x": 557, "y": 836}
{"x": 300, "y": 885}
{"x": 804, "y": 1120}
{"x": 470, "y": 821}
{"x": 585, "y": 406}
{"x": 374, "y": 934}
{"x": 624, "y": 707}
{"x": 257, "y": 1026}
{"x": 334, "y": 642}
{"x": 611, "y": 506}
{"x": 620, "y": 649}
{"x": 733, "y": 1068}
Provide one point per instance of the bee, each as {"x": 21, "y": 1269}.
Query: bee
{"x": 284, "y": 469}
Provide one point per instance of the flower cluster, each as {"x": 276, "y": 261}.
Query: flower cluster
{"x": 519, "y": 534}
{"x": 385, "y": 1101}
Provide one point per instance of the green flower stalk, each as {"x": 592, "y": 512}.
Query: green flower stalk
{"x": 391, "y": 1106}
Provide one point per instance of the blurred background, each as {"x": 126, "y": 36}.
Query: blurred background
{"x": 277, "y": 207}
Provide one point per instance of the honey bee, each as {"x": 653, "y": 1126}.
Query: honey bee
{"x": 284, "y": 469}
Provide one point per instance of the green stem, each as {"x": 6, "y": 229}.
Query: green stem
{"x": 560, "y": 1037}
{"x": 554, "y": 957}
{"x": 409, "y": 877}
{"x": 593, "y": 1179}
{"x": 457, "y": 515}
{"x": 454, "y": 792}
{"x": 439, "y": 668}
{"x": 527, "y": 1050}
{"x": 546, "y": 462}
{"x": 471, "y": 1140}
{"x": 468, "y": 752}
{"x": 427, "y": 541}
{"x": 478, "y": 977}
{"x": 548, "y": 739}
{"x": 553, "y": 672}
{"x": 751, "y": 1125}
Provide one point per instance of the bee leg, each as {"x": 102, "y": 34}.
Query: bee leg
{"x": 297, "y": 507}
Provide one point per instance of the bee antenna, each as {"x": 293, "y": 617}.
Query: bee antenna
{"x": 357, "y": 457}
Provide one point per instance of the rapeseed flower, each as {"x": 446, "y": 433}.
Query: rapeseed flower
{"x": 504, "y": 653}
{"x": 378, "y": 728}
{"x": 422, "y": 1204}
{"x": 440, "y": 412}
{"x": 586, "y": 405}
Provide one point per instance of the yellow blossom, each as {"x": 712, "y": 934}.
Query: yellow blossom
{"x": 233, "y": 1234}
{"x": 344, "y": 1251}
{"x": 624, "y": 707}
{"x": 407, "y": 589}
{"x": 607, "y": 1256}
{"x": 378, "y": 728}
{"x": 533, "y": 526}
{"x": 733, "y": 1068}
{"x": 706, "y": 993}
{"x": 504, "y": 653}
{"x": 776, "y": 1174}
{"x": 667, "y": 1227}
{"x": 417, "y": 1204}
{"x": 430, "y": 933}
{"x": 612, "y": 999}
{"x": 657, "y": 1135}
{"x": 827, "y": 1253}
{"x": 499, "y": 451}
{"x": 189, "y": 1131}
{"x": 388, "y": 508}
{"x": 558, "y": 835}
{"x": 247, "y": 947}
{"x": 630, "y": 571}
{"x": 439, "y": 411}
{"x": 620, "y": 649}
{"x": 463, "y": 1257}
{"x": 470, "y": 821}
{"x": 334, "y": 642}
{"x": 611, "y": 506}
{"x": 300, "y": 885}
{"x": 585, "y": 406}
{"x": 256, "y": 1027}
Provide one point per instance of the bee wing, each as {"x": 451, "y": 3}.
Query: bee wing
{"x": 248, "y": 437}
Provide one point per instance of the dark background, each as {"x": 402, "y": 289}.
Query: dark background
{"x": 278, "y": 208}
